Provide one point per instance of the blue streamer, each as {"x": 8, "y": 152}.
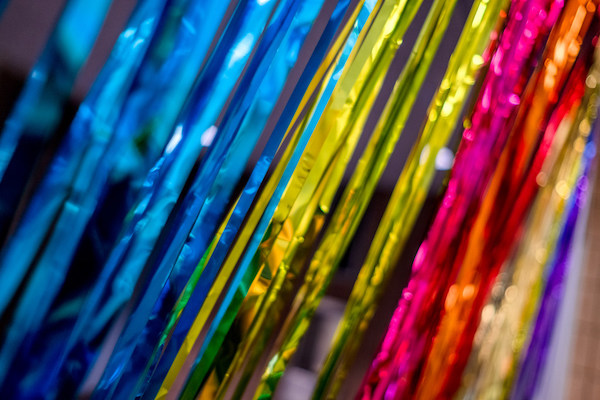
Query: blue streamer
{"x": 39, "y": 109}
{"x": 223, "y": 185}
{"x": 149, "y": 113}
{"x": 72, "y": 187}
{"x": 88, "y": 132}
{"x": 188, "y": 141}
{"x": 211, "y": 339}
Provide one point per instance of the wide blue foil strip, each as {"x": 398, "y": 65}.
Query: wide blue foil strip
{"x": 115, "y": 283}
{"x": 80, "y": 171}
{"x": 191, "y": 135}
{"x": 149, "y": 114}
{"x": 37, "y": 114}
{"x": 64, "y": 186}
{"x": 87, "y": 133}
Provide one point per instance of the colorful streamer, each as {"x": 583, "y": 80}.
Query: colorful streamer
{"x": 576, "y": 161}
{"x": 261, "y": 60}
{"x": 505, "y": 321}
{"x": 394, "y": 370}
{"x": 284, "y": 258}
{"x": 512, "y": 195}
{"x": 65, "y": 179}
{"x": 360, "y": 17}
{"x": 179, "y": 240}
{"x": 312, "y": 179}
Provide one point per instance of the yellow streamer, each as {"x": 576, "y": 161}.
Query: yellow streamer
{"x": 408, "y": 196}
{"x": 286, "y": 262}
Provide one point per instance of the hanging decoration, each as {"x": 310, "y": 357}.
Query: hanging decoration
{"x": 178, "y": 237}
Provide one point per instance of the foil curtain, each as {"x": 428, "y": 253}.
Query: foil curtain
{"x": 179, "y": 239}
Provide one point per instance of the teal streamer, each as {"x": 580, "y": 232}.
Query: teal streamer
{"x": 149, "y": 113}
{"x": 36, "y": 116}
{"x": 70, "y": 191}
{"x": 189, "y": 141}
{"x": 88, "y": 133}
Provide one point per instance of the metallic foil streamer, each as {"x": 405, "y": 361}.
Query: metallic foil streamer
{"x": 63, "y": 199}
{"x": 338, "y": 154}
{"x": 392, "y": 126}
{"x": 187, "y": 144}
{"x": 149, "y": 118}
{"x": 505, "y": 205}
{"x": 171, "y": 265}
{"x": 506, "y": 319}
{"x": 153, "y": 116}
{"x": 576, "y": 159}
{"x": 160, "y": 361}
{"x": 42, "y": 83}
{"x": 162, "y": 292}
{"x": 218, "y": 382}
{"x": 286, "y": 258}
{"x": 174, "y": 49}
{"x": 220, "y": 248}
{"x": 536, "y": 354}
{"x": 399, "y": 217}
{"x": 338, "y": 104}
{"x": 36, "y": 116}
{"x": 394, "y": 372}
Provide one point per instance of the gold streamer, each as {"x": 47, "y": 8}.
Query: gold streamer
{"x": 409, "y": 194}
{"x": 288, "y": 260}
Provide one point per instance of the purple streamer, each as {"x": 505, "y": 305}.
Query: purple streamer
{"x": 535, "y": 357}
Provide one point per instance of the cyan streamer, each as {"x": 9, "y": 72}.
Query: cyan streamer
{"x": 148, "y": 115}
{"x": 38, "y": 111}
{"x": 243, "y": 98}
{"x": 89, "y": 126}
{"x": 66, "y": 193}
{"x": 98, "y": 161}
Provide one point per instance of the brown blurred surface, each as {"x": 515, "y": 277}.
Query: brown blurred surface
{"x": 584, "y": 375}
